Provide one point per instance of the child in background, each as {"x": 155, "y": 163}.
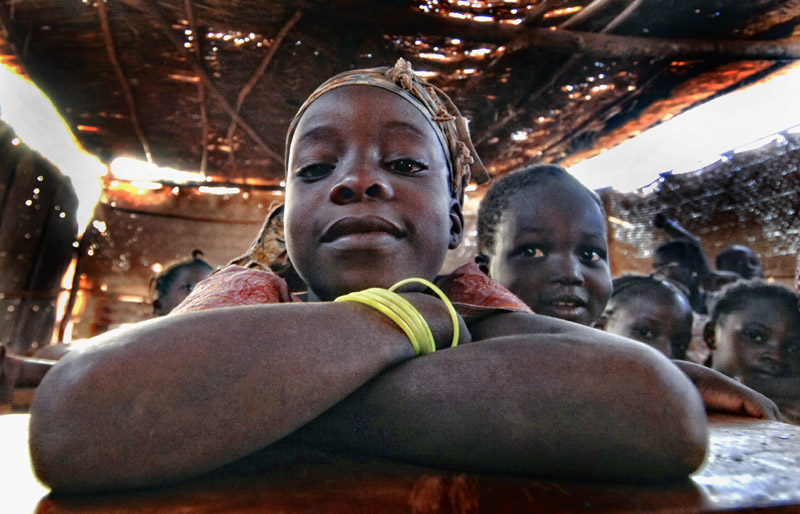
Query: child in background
{"x": 741, "y": 260}
{"x": 542, "y": 234}
{"x": 652, "y": 311}
{"x": 19, "y": 376}
{"x": 755, "y": 332}
{"x": 377, "y": 161}
{"x": 174, "y": 283}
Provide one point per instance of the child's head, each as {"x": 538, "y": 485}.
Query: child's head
{"x": 542, "y": 234}
{"x": 680, "y": 261}
{"x": 652, "y": 311}
{"x": 176, "y": 281}
{"x": 740, "y": 260}
{"x": 377, "y": 162}
{"x": 755, "y": 331}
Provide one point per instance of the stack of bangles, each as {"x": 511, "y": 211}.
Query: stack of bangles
{"x": 407, "y": 317}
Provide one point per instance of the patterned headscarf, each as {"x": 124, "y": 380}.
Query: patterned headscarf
{"x": 448, "y": 123}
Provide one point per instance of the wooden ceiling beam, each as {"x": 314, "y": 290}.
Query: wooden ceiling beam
{"x": 614, "y": 46}
{"x": 108, "y": 39}
{"x": 273, "y": 48}
{"x": 201, "y": 93}
{"x": 548, "y": 82}
{"x": 208, "y": 82}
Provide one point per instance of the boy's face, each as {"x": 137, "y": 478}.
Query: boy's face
{"x": 759, "y": 340}
{"x": 550, "y": 250}
{"x": 367, "y": 195}
{"x": 653, "y": 317}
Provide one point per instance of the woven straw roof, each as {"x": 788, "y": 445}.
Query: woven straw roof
{"x": 212, "y": 85}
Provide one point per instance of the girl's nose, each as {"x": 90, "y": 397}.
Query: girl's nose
{"x": 772, "y": 354}
{"x": 567, "y": 269}
{"x": 360, "y": 184}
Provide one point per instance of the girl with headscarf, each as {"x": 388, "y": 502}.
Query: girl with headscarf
{"x": 377, "y": 162}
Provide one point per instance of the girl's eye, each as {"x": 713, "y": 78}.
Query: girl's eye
{"x": 408, "y": 166}
{"x": 315, "y": 171}
{"x": 594, "y": 255}
{"x": 533, "y": 252}
{"x": 754, "y": 335}
{"x": 644, "y": 333}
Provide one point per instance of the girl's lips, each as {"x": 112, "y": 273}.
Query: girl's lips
{"x": 566, "y": 302}
{"x": 361, "y": 226}
{"x": 570, "y": 308}
{"x": 361, "y": 241}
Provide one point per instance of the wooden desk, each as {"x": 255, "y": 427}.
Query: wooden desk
{"x": 752, "y": 465}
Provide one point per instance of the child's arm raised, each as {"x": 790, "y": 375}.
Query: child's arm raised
{"x": 579, "y": 403}
{"x": 176, "y": 396}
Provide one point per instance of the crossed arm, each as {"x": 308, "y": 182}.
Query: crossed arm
{"x": 180, "y": 395}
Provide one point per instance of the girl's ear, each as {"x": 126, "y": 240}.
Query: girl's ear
{"x": 482, "y": 260}
{"x": 708, "y": 335}
{"x": 456, "y": 224}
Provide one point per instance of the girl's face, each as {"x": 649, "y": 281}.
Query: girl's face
{"x": 367, "y": 195}
{"x": 759, "y": 340}
{"x": 550, "y": 250}
{"x": 654, "y": 317}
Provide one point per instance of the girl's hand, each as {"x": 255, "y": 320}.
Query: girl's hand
{"x": 784, "y": 391}
{"x": 723, "y": 394}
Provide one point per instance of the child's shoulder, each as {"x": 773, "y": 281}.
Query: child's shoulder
{"x": 474, "y": 293}
{"x": 234, "y": 286}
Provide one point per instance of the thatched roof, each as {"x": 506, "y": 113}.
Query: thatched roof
{"x": 212, "y": 85}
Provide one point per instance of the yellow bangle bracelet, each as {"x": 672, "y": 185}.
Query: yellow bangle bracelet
{"x": 408, "y": 312}
{"x": 404, "y": 314}
{"x": 399, "y": 310}
{"x": 441, "y": 295}
{"x": 408, "y": 323}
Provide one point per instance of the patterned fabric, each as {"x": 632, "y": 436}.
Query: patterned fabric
{"x": 448, "y": 123}
{"x": 233, "y": 286}
{"x": 471, "y": 291}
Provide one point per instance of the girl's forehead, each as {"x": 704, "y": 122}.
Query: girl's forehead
{"x": 765, "y": 309}
{"x": 374, "y": 103}
{"x": 538, "y": 204}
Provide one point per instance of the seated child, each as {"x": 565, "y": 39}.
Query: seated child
{"x": 377, "y": 162}
{"x": 755, "y": 332}
{"x": 652, "y": 311}
{"x": 174, "y": 283}
{"x": 170, "y": 287}
{"x": 542, "y": 234}
{"x": 741, "y": 260}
